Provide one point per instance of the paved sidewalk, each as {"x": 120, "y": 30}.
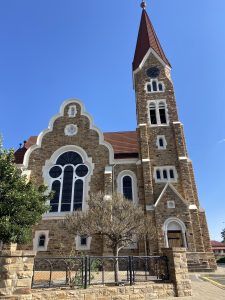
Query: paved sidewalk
{"x": 204, "y": 290}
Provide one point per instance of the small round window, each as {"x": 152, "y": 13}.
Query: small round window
{"x": 81, "y": 171}
{"x": 55, "y": 172}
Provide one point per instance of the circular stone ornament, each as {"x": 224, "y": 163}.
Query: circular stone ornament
{"x": 70, "y": 130}
{"x": 153, "y": 72}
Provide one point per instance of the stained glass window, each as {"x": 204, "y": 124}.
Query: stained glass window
{"x": 70, "y": 172}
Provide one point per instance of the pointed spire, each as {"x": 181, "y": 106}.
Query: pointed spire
{"x": 147, "y": 39}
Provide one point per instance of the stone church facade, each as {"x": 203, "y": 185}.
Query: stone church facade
{"x": 150, "y": 166}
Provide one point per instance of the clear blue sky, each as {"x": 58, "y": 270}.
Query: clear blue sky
{"x": 55, "y": 49}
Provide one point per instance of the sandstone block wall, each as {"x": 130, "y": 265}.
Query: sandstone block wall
{"x": 16, "y": 271}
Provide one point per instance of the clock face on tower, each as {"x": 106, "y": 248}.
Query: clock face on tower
{"x": 153, "y": 72}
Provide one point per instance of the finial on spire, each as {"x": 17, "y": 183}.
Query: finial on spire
{"x": 143, "y": 4}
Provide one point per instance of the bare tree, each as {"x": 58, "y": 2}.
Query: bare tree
{"x": 117, "y": 219}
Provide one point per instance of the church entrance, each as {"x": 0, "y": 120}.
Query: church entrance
{"x": 175, "y": 238}
{"x": 174, "y": 233}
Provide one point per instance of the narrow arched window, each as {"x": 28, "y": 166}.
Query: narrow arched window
{"x": 158, "y": 174}
{"x": 154, "y": 86}
{"x": 161, "y": 142}
{"x": 149, "y": 87}
{"x": 162, "y": 113}
{"x": 165, "y": 176}
{"x": 68, "y": 177}
{"x": 153, "y": 118}
{"x": 171, "y": 174}
{"x": 41, "y": 240}
{"x": 127, "y": 187}
{"x": 160, "y": 87}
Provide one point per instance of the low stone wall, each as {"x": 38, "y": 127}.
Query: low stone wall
{"x": 145, "y": 292}
{"x": 16, "y": 271}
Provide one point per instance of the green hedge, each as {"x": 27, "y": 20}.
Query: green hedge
{"x": 221, "y": 260}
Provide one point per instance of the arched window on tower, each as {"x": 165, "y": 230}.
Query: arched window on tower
{"x": 158, "y": 112}
{"x": 154, "y": 86}
{"x": 68, "y": 176}
{"x": 153, "y": 113}
{"x": 162, "y": 113}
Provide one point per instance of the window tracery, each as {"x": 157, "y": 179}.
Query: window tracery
{"x": 68, "y": 176}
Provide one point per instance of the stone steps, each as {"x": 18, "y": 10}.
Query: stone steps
{"x": 195, "y": 267}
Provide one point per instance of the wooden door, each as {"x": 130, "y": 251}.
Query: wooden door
{"x": 175, "y": 239}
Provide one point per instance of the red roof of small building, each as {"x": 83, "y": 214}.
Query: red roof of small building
{"x": 125, "y": 145}
{"x": 147, "y": 39}
{"x": 216, "y": 244}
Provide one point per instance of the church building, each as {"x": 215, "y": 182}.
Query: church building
{"x": 150, "y": 165}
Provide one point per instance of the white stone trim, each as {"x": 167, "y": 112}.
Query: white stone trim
{"x": 134, "y": 183}
{"x": 150, "y": 207}
{"x": 50, "y": 129}
{"x": 125, "y": 161}
{"x": 37, "y": 235}
{"x": 169, "y": 185}
{"x": 192, "y": 207}
{"x": 145, "y": 160}
{"x": 72, "y": 111}
{"x": 48, "y": 180}
{"x": 80, "y": 247}
{"x": 156, "y": 103}
{"x": 108, "y": 170}
{"x": 177, "y": 122}
{"x": 181, "y": 225}
{"x": 70, "y": 130}
{"x": 142, "y": 124}
{"x": 167, "y": 169}
{"x": 164, "y": 142}
{"x": 157, "y": 83}
{"x": 151, "y": 51}
{"x": 171, "y": 204}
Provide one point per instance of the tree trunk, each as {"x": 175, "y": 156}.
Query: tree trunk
{"x": 116, "y": 264}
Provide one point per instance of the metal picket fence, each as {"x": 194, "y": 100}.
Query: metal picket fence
{"x": 81, "y": 272}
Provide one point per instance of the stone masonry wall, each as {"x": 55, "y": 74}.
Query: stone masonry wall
{"x": 16, "y": 271}
{"x": 143, "y": 292}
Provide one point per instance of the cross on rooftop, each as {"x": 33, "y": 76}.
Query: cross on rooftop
{"x": 143, "y": 4}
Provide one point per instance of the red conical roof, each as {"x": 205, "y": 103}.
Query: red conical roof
{"x": 147, "y": 39}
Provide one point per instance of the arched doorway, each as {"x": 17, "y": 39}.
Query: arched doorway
{"x": 175, "y": 233}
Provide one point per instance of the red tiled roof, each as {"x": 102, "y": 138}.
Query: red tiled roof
{"x": 216, "y": 244}
{"x": 125, "y": 145}
{"x": 147, "y": 39}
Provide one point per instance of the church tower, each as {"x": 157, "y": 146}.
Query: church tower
{"x": 167, "y": 186}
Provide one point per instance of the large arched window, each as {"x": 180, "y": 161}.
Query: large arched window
{"x": 67, "y": 181}
{"x": 127, "y": 185}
